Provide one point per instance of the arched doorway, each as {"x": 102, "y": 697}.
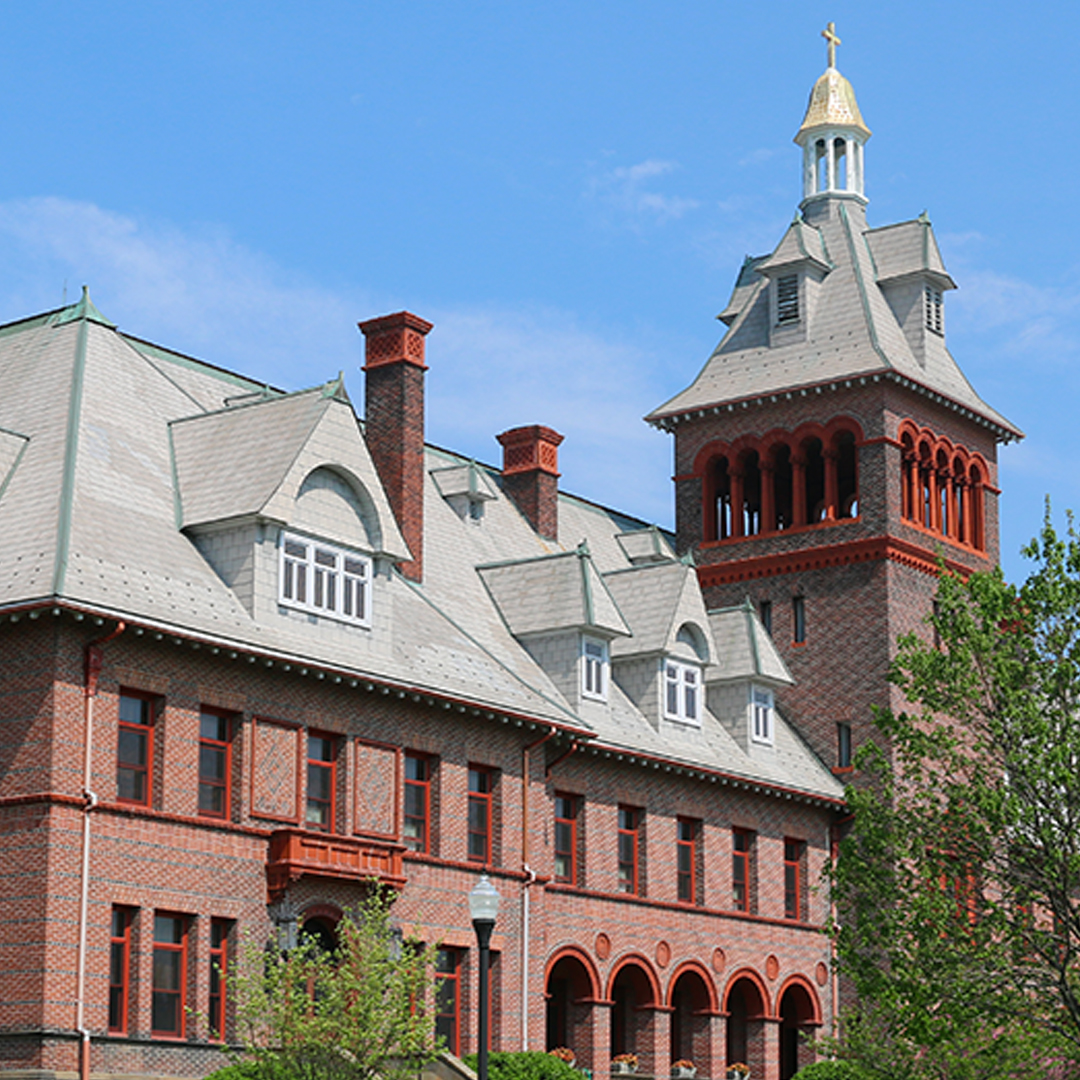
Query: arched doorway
{"x": 634, "y": 1000}
{"x": 746, "y": 1006}
{"x": 693, "y": 1004}
{"x": 571, "y": 989}
{"x": 799, "y": 1012}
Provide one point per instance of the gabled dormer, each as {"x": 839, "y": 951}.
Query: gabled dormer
{"x": 661, "y": 668}
{"x": 467, "y": 488}
{"x": 742, "y": 684}
{"x": 559, "y": 607}
{"x": 913, "y": 278}
{"x": 794, "y": 271}
{"x": 279, "y": 494}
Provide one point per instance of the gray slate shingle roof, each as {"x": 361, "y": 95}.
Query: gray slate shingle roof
{"x": 112, "y": 448}
{"x": 852, "y": 334}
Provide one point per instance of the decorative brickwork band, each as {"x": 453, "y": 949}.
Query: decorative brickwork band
{"x": 394, "y": 421}
{"x": 530, "y": 475}
{"x": 394, "y": 339}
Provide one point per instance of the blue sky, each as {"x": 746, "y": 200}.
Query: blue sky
{"x": 565, "y": 189}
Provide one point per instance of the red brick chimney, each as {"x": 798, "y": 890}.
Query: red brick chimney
{"x": 531, "y": 475}
{"x": 394, "y": 420}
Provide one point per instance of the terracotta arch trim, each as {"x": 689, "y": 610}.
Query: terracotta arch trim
{"x": 574, "y": 952}
{"x": 805, "y": 984}
{"x": 750, "y": 975}
{"x": 641, "y": 962}
{"x": 694, "y": 967}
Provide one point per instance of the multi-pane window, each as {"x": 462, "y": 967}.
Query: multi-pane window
{"x": 761, "y": 708}
{"x": 169, "y": 976}
{"x": 787, "y": 299}
{"x": 448, "y": 999}
{"x": 594, "y": 669}
{"x": 566, "y": 811}
{"x": 119, "y": 969}
{"x": 741, "y": 840}
{"x": 843, "y": 745}
{"x": 798, "y": 618}
{"x": 321, "y": 781}
{"x": 682, "y": 692}
{"x": 219, "y": 972}
{"x": 793, "y": 853}
{"x": 416, "y": 827}
{"x": 215, "y": 764}
{"x": 686, "y": 859}
{"x": 481, "y": 789}
{"x": 933, "y": 309}
{"x": 135, "y": 749}
{"x": 629, "y": 868}
{"x": 325, "y": 579}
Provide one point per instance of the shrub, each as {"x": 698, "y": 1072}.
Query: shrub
{"x": 831, "y": 1070}
{"x": 532, "y": 1065}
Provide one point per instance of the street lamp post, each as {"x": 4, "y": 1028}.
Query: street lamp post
{"x": 483, "y": 907}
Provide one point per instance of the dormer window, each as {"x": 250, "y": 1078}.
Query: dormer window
{"x": 933, "y": 311}
{"x": 594, "y": 662}
{"x": 682, "y": 692}
{"x": 325, "y": 580}
{"x": 761, "y": 715}
{"x": 787, "y": 299}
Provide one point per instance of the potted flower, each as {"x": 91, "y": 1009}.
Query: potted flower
{"x": 738, "y": 1071}
{"x": 683, "y": 1070}
{"x": 624, "y": 1063}
{"x": 564, "y": 1053}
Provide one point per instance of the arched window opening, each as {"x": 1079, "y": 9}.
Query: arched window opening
{"x": 721, "y": 508}
{"x": 959, "y": 503}
{"x": 796, "y": 1014}
{"x": 690, "y": 1027}
{"x": 569, "y": 1020}
{"x": 631, "y": 1019}
{"x": 943, "y": 523}
{"x": 847, "y": 478}
{"x": 909, "y": 477}
{"x": 750, "y": 508}
{"x": 976, "y": 508}
{"x": 926, "y": 487}
{"x": 782, "y": 490}
{"x": 322, "y": 931}
{"x": 840, "y": 153}
{"x": 821, "y": 167}
{"x": 815, "y": 480}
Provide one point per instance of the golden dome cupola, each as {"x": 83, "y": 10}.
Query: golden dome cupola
{"x": 832, "y": 135}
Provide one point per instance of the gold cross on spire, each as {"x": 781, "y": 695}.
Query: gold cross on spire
{"x": 829, "y": 34}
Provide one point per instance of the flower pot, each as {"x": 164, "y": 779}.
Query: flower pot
{"x": 623, "y": 1068}
{"x": 681, "y": 1072}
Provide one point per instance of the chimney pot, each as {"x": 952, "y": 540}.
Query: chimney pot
{"x": 531, "y": 475}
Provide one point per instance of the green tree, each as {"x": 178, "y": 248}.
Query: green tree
{"x": 958, "y": 887}
{"x": 355, "y": 1013}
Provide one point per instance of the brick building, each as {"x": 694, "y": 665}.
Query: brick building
{"x": 259, "y": 652}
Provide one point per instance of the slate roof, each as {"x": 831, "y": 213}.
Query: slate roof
{"x": 853, "y": 334}
{"x": 744, "y": 648}
{"x": 116, "y": 455}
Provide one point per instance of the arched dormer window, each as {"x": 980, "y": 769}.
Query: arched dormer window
{"x": 691, "y": 635}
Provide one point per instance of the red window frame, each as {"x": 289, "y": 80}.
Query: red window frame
{"x": 566, "y": 812}
{"x": 628, "y": 822}
{"x": 793, "y": 852}
{"x": 119, "y": 969}
{"x": 169, "y": 956}
{"x": 141, "y": 729}
{"x": 448, "y": 998}
{"x": 481, "y": 804}
{"x": 741, "y": 842}
{"x": 416, "y": 809}
{"x": 320, "y": 811}
{"x": 213, "y": 745}
{"x": 686, "y": 860}
{"x": 219, "y": 975}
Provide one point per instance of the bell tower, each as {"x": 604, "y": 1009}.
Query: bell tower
{"x": 831, "y": 450}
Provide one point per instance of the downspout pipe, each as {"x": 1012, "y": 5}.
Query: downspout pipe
{"x": 530, "y": 879}
{"x": 92, "y": 661}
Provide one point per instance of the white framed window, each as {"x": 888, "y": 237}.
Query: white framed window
{"x": 594, "y": 662}
{"x": 324, "y": 579}
{"x": 761, "y": 714}
{"x": 682, "y": 692}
